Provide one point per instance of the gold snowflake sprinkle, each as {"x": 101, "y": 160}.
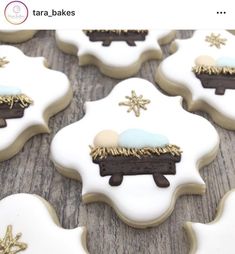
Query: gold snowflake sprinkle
{"x": 3, "y": 61}
{"x": 215, "y": 40}
{"x": 10, "y": 245}
{"x": 135, "y": 103}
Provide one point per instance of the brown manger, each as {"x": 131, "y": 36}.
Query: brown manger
{"x": 108, "y": 36}
{"x": 118, "y": 162}
{"x": 220, "y": 78}
{"x": 13, "y": 107}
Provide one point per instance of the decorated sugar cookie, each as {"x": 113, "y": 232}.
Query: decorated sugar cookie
{"x": 30, "y": 93}
{"x": 117, "y": 53}
{"x": 29, "y": 225}
{"x": 202, "y": 70}
{"x": 137, "y": 150}
{"x": 16, "y": 36}
{"x": 217, "y": 236}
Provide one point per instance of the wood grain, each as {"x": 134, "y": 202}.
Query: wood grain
{"x": 32, "y": 171}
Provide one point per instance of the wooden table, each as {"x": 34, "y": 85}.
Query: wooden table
{"x": 31, "y": 170}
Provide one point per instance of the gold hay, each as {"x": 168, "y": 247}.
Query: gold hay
{"x": 10, "y": 244}
{"x": 213, "y": 70}
{"x": 3, "y": 61}
{"x": 103, "y": 152}
{"x": 10, "y": 100}
{"x": 116, "y": 31}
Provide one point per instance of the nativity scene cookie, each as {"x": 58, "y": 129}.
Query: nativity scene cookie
{"x": 16, "y": 36}
{"x": 202, "y": 70}
{"x": 29, "y": 225}
{"x": 217, "y": 236}
{"x": 117, "y": 53}
{"x": 136, "y": 150}
{"x": 30, "y": 94}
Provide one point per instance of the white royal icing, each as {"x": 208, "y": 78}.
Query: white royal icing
{"x": 177, "y": 69}
{"x": 218, "y": 236}
{"x": 31, "y": 216}
{"x": 137, "y": 199}
{"x": 119, "y": 55}
{"x": 44, "y": 86}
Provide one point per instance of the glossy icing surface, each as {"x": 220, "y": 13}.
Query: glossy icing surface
{"x": 218, "y": 236}
{"x": 9, "y": 90}
{"x": 137, "y": 199}
{"x": 119, "y": 54}
{"x": 137, "y": 138}
{"x": 44, "y": 86}
{"x": 32, "y": 217}
{"x": 177, "y": 69}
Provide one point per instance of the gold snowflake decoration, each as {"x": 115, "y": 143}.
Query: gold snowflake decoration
{"x": 135, "y": 103}
{"x": 3, "y": 61}
{"x": 10, "y": 245}
{"x": 215, "y": 40}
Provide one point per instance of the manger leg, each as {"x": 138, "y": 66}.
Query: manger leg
{"x": 161, "y": 180}
{"x": 131, "y": 43}
{"x": 116, "y": 179}
{"x": 106, "y": 43}
{"x": 3, "y": 123}
{"x": 220, "y": 90}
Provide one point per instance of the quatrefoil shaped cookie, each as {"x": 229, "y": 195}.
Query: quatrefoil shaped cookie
{"x": 202, "y": 71}
{"x": 137, "y": 150}
{"x": 117, "y": 53}
{"x": 30, "y": 94}
{"x": 218, "y": 235}
{"x": 28, "y": 224}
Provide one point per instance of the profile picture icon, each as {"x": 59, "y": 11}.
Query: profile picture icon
{"x": 16, "y": 9}
{"x": 16, "y": 12}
